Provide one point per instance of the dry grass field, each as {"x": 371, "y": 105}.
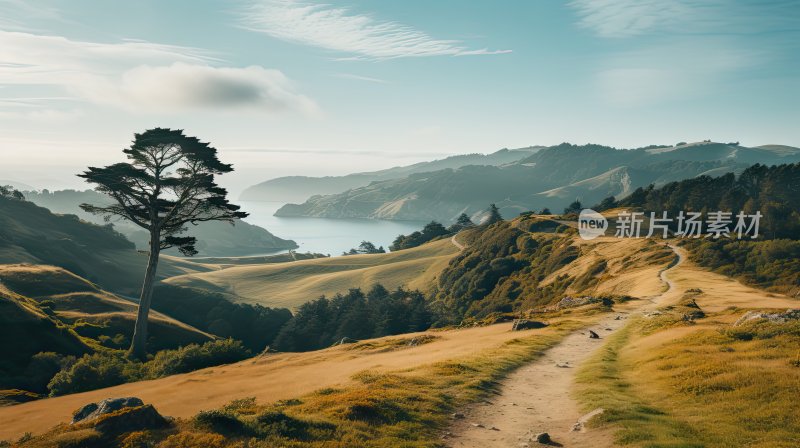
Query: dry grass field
{"x": 293, "y": 283}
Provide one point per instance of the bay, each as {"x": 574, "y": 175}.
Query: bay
{"x": 325, "y": 235}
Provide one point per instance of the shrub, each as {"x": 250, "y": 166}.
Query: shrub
{"x": 220, "y": 422}
{"x": 194, "y": 357}
{"x": 110, "y": 369}
{"x": 94, "y": 372}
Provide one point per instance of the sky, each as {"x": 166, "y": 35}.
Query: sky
{"x": 290, "y": 87}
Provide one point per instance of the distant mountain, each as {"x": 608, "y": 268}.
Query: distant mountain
{"x": 15, "y": 185}
{"x": 551, "y": 177}
{"x": 214, "y": 239}
{"x": 300, "y": 188}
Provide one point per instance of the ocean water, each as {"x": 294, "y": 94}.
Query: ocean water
{"x": 323, "y": 235}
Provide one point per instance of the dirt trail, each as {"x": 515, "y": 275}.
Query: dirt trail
{"x": 537, "y": 397}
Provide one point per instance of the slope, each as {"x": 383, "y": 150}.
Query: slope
{"x": 213, "y": 238}
{"x": 290, "y": 284}
{"x": 552, "y": 177}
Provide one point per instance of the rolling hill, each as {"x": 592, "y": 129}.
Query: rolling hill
{"x": 214, "y": 239}
{"x": 32, "y": 234}
{"x": 291, "y": 284}
{"x": 552, "y": 177}
{"x": 300, "y": 188}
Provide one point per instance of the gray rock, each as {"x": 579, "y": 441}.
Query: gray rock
{"x": 593, "y": 335}
{"x": 524, "y": 324}
{"x": 94, "y": 410}
{"x": 543, "y": 437}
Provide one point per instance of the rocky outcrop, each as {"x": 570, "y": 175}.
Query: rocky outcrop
{"x": 93, "y": 411}
{"x": 780, "y": 317}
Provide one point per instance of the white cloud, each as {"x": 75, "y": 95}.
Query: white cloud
{"x": 141, "y": 75}
{"x": 182, "y": 86}
{"x": 339, "y": 30}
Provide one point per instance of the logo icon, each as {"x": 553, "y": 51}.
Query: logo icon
{"x": 591, "y": 224}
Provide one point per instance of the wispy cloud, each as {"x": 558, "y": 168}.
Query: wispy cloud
{"x": 360, "y": 78}
{"x": 338, "y": 29}
{"x": 141, "y": 76}
{"x": 626, "y": 18}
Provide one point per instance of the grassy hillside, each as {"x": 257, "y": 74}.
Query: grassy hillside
{"x": 507, "y": 268}
{"x": 32, "y": 234}
{"x": 708, "y": 382}
{"x": 213, "y": 238}
{"x": 291, "y": 284}
{"x": 90, "y": 311}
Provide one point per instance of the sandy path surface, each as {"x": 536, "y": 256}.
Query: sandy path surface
{"x": 537, "y": 397}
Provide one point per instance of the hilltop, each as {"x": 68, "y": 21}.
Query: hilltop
{"x": 550, "y": 178}
{"x": 300, "y": 188}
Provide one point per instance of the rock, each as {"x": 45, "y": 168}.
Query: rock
{"x": 542, "y": 437}
{"x": 477, "y": 425}
{"x": 458, "y": 416}
{"x": 618, "y": 318}
{"x": 130, "y": 419}
{"x": 593, "y": 335}
{"x": 779, "y": 318}
{"x": 524, "y": 324}
{"x": 494, "y": 428}
{"x": 92, "y": 411}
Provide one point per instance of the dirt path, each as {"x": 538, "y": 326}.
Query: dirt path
{"x": 537, "y": 397}
{"x": 456, "y": 243}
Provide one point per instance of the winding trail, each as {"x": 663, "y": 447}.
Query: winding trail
{"x": 456, "y": 243}
{"x": 537, "y": 397}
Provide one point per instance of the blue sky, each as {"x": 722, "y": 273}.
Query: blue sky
{"x": 302, "y": 87}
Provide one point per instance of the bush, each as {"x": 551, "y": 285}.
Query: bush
{"x": 110, "y": 369}
{"x": 194, "y": 357}
{"x": 220, "y": 422}
{"x": 94, "y": 372}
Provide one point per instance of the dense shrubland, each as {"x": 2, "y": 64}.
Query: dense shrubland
{"x": 773, "y": 264}
{"x": 430, "y": 232}
{"x": 355, "y": 315}
{"x": 772, "y": 190}
{"x": 255, "y": 325}
{"x": 500, "y": 272}
{"x": 105, "y": 369}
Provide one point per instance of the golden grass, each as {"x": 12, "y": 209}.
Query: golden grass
{"x": 668, "y": 384}
{"x": 404, "y": 408}
{"x": 292, "y": 284}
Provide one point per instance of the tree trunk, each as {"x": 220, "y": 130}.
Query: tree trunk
{"x": 139, "y": 343}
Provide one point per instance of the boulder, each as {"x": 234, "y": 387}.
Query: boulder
{"x": 593, "y": 335}
{"x": 92, "y": 411}
{"x": 131, "y": 419}
{"x": 525, "y": 324}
